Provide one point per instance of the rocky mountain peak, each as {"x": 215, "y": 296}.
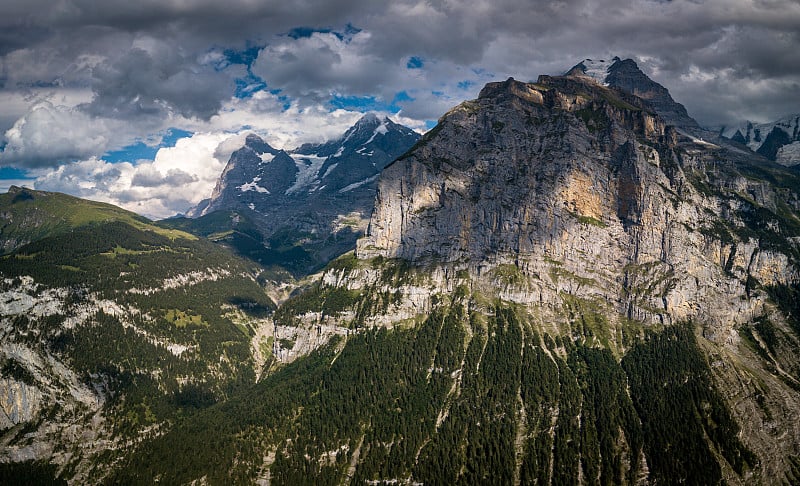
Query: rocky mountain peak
{"x": 596, "y": 69}
{"x": 307, "y": 192}
{"x": 258, "y": 145}
{"x": 626, "y": 75}
{"x": 369, "y": 119}
{"x": 515, "y": 137}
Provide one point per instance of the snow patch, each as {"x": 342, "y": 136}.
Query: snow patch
{"x": 308, "y": 167}
{"x": 253, "y": 186}
{"x": 700, "y": 141}
{"x": 358, "y": 184}
{"x": 328, "y": 171}
{"x": 381, "y": 129}
{"x": 266, "y": 158}
{"x": 597, "y": 70}
{"x": 367, "y": 154}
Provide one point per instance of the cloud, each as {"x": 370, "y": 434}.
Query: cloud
{"x": 177, "y": 179}
{"x": 49, "y": 135}
{"x": 155, "y": 79}
{"x": 149, "y": 57}
{"x": 133, "y": 69}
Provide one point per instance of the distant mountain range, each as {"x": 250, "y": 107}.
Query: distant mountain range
{"x": 778, "y": 141}
{"x": 312, "y": 203}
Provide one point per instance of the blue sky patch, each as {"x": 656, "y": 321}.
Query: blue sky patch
{"x": 245, "y": 56}
{"x": 140, "y": 150}
{"x": 370, "y": 103}
{"x": 400, "y": 97}
{"x": 415, "y": 63}
{"x": 12, "y": 173}
{"x": 356, "y": 103}
{"x": 466, "y": 84}
{"x": 247, "y": 86}
{"x": 305, "y": 32}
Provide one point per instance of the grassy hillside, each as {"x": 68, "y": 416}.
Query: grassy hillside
{"x": 27, "y": 215}
{"x": 153, "y": 324}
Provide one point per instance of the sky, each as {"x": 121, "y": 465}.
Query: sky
{"x": 141, "y": 103}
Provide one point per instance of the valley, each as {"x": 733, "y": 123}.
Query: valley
{"x": 565, "y": 281}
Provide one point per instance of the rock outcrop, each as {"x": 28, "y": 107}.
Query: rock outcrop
{"x": 570, "y": 198}
{"x": 626, "y": 75}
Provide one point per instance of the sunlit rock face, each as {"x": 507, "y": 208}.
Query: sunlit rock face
{"x": 567, "y": 175}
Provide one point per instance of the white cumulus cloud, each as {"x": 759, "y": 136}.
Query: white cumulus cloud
{"x": 177, "y": 179}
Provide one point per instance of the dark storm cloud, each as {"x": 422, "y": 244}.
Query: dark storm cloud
{"x": 142, "y": 83}
{"x": 724, "y": 59}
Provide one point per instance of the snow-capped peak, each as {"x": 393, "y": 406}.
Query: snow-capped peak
{"x": 381, "y": 129}
{"x": 368, "y": 119}
{"x": 596, "y": 69}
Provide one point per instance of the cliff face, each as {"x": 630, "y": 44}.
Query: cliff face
{"x": 577, "y": 202}
{"x": 566, "y": 177}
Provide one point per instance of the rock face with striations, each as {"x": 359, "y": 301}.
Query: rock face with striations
{"x": 569, "y": 171}
{"x": 570, "y": 191}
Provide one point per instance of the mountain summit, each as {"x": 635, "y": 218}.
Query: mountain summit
{"x": 626, "y": 75}
{"x": 300, "y": 198}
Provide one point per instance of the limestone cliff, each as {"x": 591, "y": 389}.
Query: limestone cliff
{"x": 584, "y": 190}
{"x": 570, "y": 198}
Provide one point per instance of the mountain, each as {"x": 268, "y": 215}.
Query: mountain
{"x": 557, "y": 286}
{"x": 27, "y": 216}
{"x": 314, "y": 201}
{"x": 111, "y": 329}
{"x": 778, "y": 141}
{"x": 626, "y": 75}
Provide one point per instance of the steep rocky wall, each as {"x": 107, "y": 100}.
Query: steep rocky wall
{"x": 585, "y": 193}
